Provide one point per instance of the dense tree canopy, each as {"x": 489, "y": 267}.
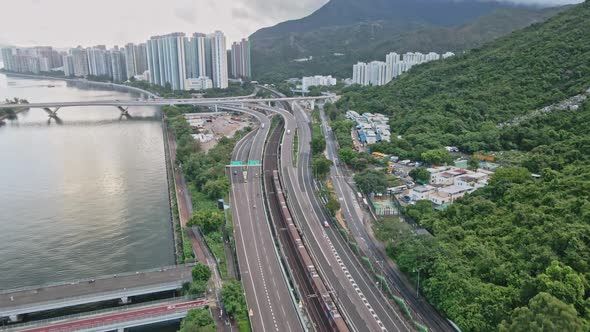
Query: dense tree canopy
{"x": 371, "y": 181}
{"x": 517, "y": 250}
{"x": 198, "y": 320}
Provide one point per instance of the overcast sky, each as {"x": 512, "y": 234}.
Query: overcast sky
{"x": 65, "y": 23}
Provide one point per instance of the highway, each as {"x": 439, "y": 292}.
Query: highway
{"x": 353, "y": 214}
{"x": 267, "y": 292}
{"x": 125, "y": 317}
{"x": 362, "y": 306}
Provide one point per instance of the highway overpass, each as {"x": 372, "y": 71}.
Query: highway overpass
{"x": 16, "y": 302}
{"x": 116, "y": 319}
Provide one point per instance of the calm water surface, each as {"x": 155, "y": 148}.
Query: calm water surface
{"x": 83, "y": 195}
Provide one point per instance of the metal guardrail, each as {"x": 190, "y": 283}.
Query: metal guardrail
{"x": 122, "y": 309}
{"x": 103, "y": 277}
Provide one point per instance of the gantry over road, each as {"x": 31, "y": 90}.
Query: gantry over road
{"x": 14, "y": 303}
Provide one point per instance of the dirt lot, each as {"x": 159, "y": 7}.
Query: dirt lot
{"x": 219, "y": 125}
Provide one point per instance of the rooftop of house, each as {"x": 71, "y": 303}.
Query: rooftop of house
{"x": 423, "y": 189}
{"x": 452, "y": 190}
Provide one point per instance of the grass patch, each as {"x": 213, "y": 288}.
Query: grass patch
{"x": 187, "y": 248}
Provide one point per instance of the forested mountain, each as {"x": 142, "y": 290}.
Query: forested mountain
{"x": 515, "y": 255}
{"x": 367, "y": 30}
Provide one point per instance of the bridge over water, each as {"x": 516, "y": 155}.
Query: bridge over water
{"x": 52, "y": 107}
{"x": 16, "y": 302}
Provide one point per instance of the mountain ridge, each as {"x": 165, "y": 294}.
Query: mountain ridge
{"x": 371, "y": 40}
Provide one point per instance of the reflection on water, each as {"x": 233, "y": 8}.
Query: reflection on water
{"x": 83, "y": 194}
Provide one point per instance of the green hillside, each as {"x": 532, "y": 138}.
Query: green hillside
{"x": 515, "y": 255}
{"x": 360, "y": 39}
{"x": 459, "y": 101}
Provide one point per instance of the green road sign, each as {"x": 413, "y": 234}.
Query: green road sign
{"x": 253, "y": 162}
{"x": 236, "y": 163}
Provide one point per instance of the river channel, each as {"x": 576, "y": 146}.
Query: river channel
{"x": 83, "y": 195}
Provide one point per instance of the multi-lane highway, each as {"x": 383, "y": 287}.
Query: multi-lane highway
{"x": 267, "y": 293}
{"x": 362, "y": 305}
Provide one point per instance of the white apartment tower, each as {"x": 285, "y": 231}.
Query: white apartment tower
{"x": 166, "y": 60}
{"x": 359, "y": 74}
{"x": 195, "y": 56}
{"x": 377, "y": 73}
{"x": 218, "y": 60}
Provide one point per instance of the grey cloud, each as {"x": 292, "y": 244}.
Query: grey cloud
{"x": 241, "y": 14}
{"x": 185, "y": 14}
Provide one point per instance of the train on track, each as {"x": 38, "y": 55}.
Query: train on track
{"x": 328, "y": 305}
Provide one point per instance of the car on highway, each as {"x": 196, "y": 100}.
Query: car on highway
{"x": 326, "y": 224}
{"x": 288, "y": 131}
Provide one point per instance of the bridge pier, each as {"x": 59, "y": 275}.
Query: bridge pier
{"x": 125, "y": 300}
{"x": 312, "y": 104}
{"x": 121, "y": 329}
{"x": 50, "y": 112}
{"x": 15, "y": 318}
{"x": 124, "y": 110}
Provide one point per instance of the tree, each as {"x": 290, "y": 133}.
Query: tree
{"x": 562, "y": 282}
{"x": 196, "y": 288}
{"x": 318, "y": 145}
{"x": 420, "y": 174}
{"x": 473, "y": 164}
{"x": 216, "y": 188}
{"x": 233, "y": 299}
{"x": 371, "y": 181}
{"x": 332, "y": 205}
{"x": 437, "y": 157}
{"x": 544, "y": 313}
{"x": 201, "y": 272}
{"x": 208, "y": 220}
{"x": 359, "y": 164}
{"x": 321, "y": 166}
{"x": 197, "y": 320}
{"x": 347, "y": 155}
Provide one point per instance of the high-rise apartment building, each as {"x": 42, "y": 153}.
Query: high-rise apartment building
{"x": 240, "y": 59}
{"x": 118, "y": 65}
{"x": 80, "y": 59}
{"x": 8, "y": 58}
{"x": 380, "y": 73}
{"x": 359, "y": 74}
{"x": 140, "y": 58}
{"x": 29, "y": 59}
{"x": 218, "y": 60}
{"x": 130, "y": 63}
{"x": 166, "y": 60}
{"x": 195, "y": 56}
{"x": 97, "y": 62}
{"x": 68, "y": 65}
{"x": 377, "y": 73}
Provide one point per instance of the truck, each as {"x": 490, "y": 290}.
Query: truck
{"x": 245, "y": 173}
